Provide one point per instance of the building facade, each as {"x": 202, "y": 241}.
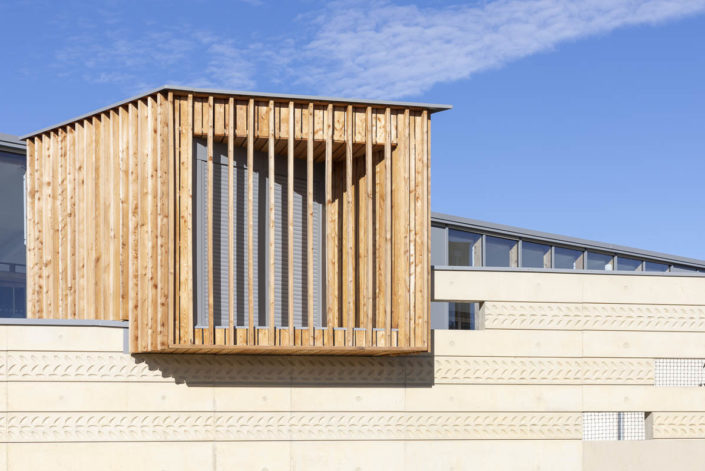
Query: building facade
{"x": 223, "y": 280}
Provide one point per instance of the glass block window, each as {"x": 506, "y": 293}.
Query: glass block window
{"x": 684, "y": 372}
{"x": 614, "y": 426}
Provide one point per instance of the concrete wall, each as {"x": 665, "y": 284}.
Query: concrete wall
{"x": 510, "y": 397}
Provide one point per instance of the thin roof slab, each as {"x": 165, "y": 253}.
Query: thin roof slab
{"x": 10, "y": 143}
{"x": 431, "y": 107}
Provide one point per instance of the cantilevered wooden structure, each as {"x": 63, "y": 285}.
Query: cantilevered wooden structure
{"x": 113, "y": 197}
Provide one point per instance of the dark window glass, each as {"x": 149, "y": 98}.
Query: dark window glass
{"x": 566, "y": 258}
{"x": 599, "y": 261}
{"x": 534, "y": 255}
{"x": 12, "y": 249}
{"x": 653, "y": 266}
{"x": 628, "y": 264}
{"x": 498, "y": 251}
{"x": 461, "y": 316}
{"x": 462, "y": 247}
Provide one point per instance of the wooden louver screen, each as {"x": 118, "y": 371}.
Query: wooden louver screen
{"x": 220, "y": 240}
{"x": 122, "y": 204}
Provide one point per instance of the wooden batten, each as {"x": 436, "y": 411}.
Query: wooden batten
{"x": 330, "y": 284}
{"x": 110, "y": 215}
{"x": 250, "y": 223}
{"x": 309, "y": 223}
{"x": 270, "y": 242}
{"x": 290, "y": 220}
{"x": 231, "y": 221}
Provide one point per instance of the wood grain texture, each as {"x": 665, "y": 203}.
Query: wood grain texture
{"x": 349, "y": 292}
{"x": 270, "y": 242}
{"x": 30, "y": 189}
{"x": 369, "y": 306}
{"x": 110, "y": 221}
{"x": 330, "y": 285}
{"x": 290, "y": 221}
{"x": 309, "y": 223}
{"x": 388, "y": 223}
{"x": 133, "y": 226}
{"x": 250, "y": 223}
{"x": 210, "y": 332}
{"x": 231, "y": 220}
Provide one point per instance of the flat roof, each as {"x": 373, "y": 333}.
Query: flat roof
{"x": 561, "y": 240}
{"x": 432, "y": 107}
{"x": 12, "y": 143}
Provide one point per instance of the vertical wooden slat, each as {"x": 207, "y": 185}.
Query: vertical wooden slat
{"x": 172, "y": 220}
{"x": 62, "y": 248}
{"x": 114, "y": 159}
{"x": 420, "y": 224}
{"x": 98, "y": 223}
{"x": 290, "y": 221}
{"x": 31, "y": 286}
{"x": 124, "y": 215}
{"x": 144, "y": 112}
{"x": 388, "y": 225}
{"x": 133, "y": 224}
{"x": 153, "y": 222}
{"x": 163, "y": 198}
{"x": 89, "y": 229}
{"x": 370, "y": 233}
{"x": 33, "y": 307}
{"x": 106, "y": 205}
{"x": 185, "y": 193}
{"x": 349, "y": 305}
{"x": 71, "y": 220}
{"x": 270, "y": 284}
{"x": 179, "y": 105}
{"x": 330, "y": 275}
{"x": 48, "y": 255}
{"x": 309, "y": 223}
{"x": 37, "y": 310}
{"x": 427, "y": 268}
{"x": 250, "y": 221}
{"x": 231, "y": 222}
{"x": 210, "y": 332}
{"x": 412, "y": 226}
{"x": 56, "y": 298}
{"x": 48, "y": 252}
{"x": 401, "y": 233}
{"x": 80, "y": 245}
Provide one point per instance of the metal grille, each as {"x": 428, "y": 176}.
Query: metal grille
{"x": 614, "y": 426}
{"x": 679, "y": 372}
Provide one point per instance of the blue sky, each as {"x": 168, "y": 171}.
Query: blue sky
{"x": 584, "y": 118}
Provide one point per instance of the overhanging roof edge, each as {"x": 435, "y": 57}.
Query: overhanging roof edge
{"x": 433, "y": 108}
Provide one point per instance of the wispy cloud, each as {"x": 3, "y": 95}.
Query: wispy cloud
{"x": 144, "y": 60}
{"x": 362, "y": 48}
{"x": 388, "y": 50}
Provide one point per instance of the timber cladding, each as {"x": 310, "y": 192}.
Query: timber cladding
{"x": 111, "y": 204}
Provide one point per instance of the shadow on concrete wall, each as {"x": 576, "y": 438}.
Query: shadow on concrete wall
{"x": 275, "y": 371}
